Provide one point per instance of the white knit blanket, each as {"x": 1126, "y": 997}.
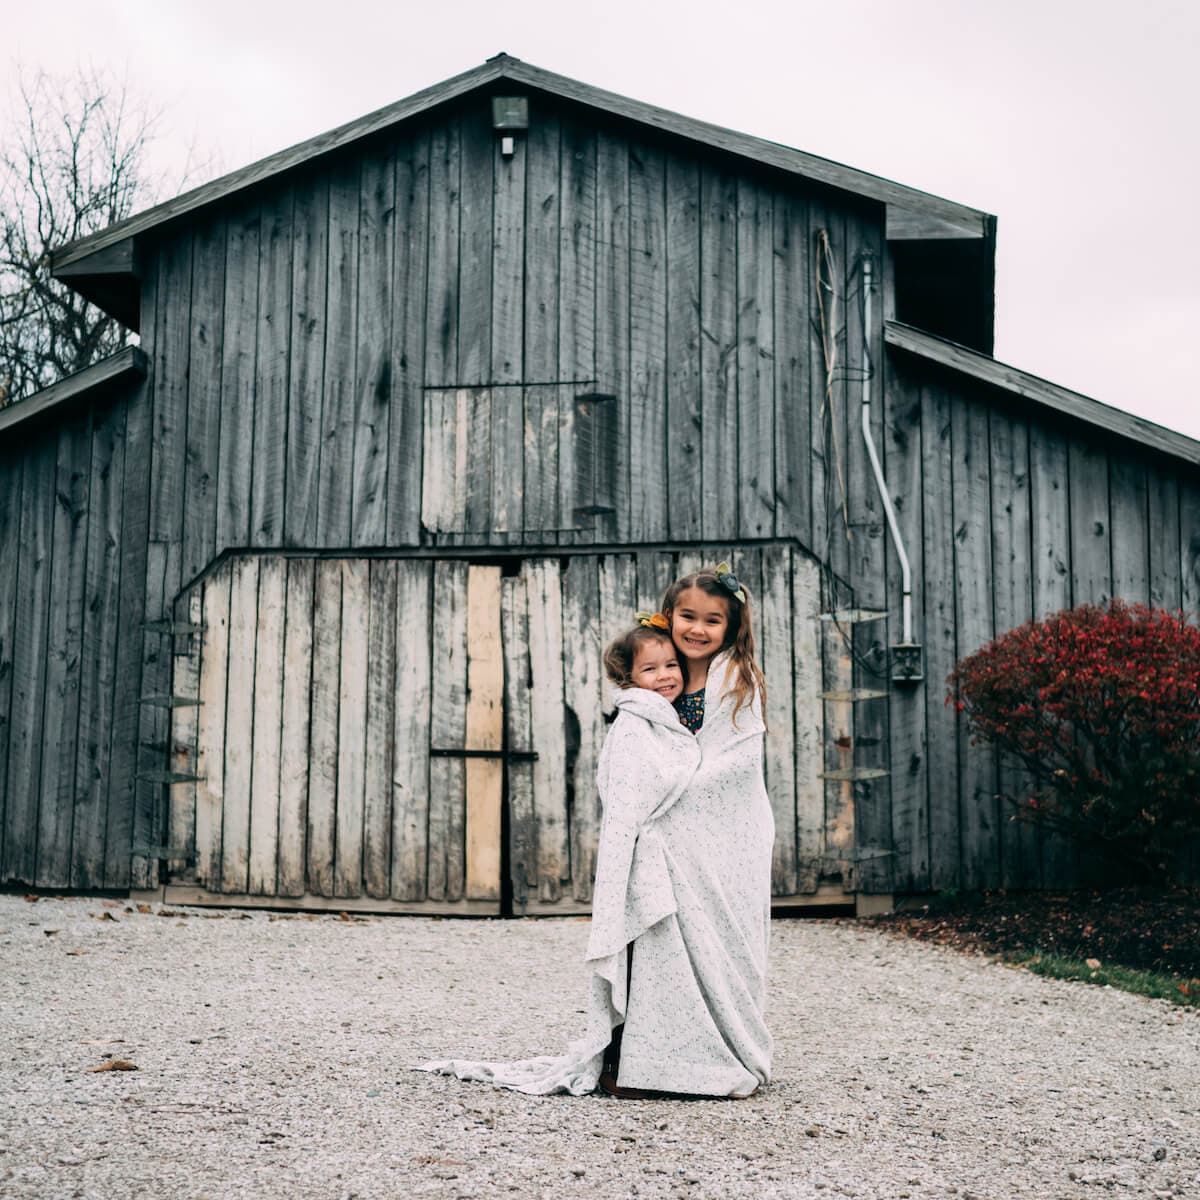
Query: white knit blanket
{"x": 684, "y": 875}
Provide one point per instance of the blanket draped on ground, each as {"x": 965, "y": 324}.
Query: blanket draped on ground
{"x": 684, "y": 875}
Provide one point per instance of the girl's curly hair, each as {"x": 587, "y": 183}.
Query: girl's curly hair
{"x": 619, "y": 656}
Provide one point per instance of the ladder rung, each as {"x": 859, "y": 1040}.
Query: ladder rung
{"x": 854, "y": 616}
{"x": 854, "y": 695}
{"x": 855, "y": 773}
{"x": 172, "y": 701}
{"x": 168, "y": 777}
{"x": 171, "y": 627}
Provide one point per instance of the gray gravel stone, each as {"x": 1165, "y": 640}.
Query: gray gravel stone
{"x": 273, "y": 1060}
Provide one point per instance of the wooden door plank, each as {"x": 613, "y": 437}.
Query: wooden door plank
{"x": 755, "y": 374}
{"x": 971, "y": 489}
{"x": 540, "y": 517}
{"x": 475, "y": 460}
{"x": 373, "y": 349}
{"x": 380, "y": 729}
{"x": 613, "y": 315}
{"x": 408, "y": 342}
{"x": 647, "y": 444}
{"x": 306, "y": 363}
{"x": 201, "y": 479}
{"x": 268, "y": 726}
{"x": 618, "y": 590}
{"x": 656, "y": 571}
{"x": 546, "y": 708}
{"x": 809, "y": 719}
{"x": 410, "y": 768}
{"x": 71, "y": 500}
{"x": 29, "y": 662}
{"x": 239, "y": 334}
{"x": 778, "y": 635}
{"x": 99, "y": 649}
{"x": 1130, "y": 532}
{"x": 1163, "y": 508}
{"x": 447, "y": 775}
{"x": 239, "y": 726}
{"x": 341, "y": 336}
{"x": 583, "y": 679}
{"x": 210, "y": 736}
{"x": 272, "y": 370}
{"x": 352, "y": 724}
{"x": 718, "y": 354}
{"x": 484, "y": 731}
{"x": 294, "y": 728}
{"x": 323, "y": 725}
{"x": 683, "y": 410}
{"x": 522, "y": 832}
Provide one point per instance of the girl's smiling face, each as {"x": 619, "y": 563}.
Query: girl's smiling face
{"x": 699, "y": 624}
{"x": 656, "y": 668}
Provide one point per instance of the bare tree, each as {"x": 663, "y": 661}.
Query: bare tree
{"x": 75, "y": 164}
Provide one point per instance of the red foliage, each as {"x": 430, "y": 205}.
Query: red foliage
{"x": 1102, "y": 708}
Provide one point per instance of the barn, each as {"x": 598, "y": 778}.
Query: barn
{"x": 303, "y": 597}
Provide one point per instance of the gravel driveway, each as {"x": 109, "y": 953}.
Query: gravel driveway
{"x": 272, "y": 1055}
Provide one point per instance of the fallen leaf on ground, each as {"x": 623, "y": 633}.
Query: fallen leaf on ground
{"x": 111, "y": 903}
{"x": 102, "y": 916}
{"x": 144, "y": 908}
{"x": 1093, "y": 964}
{"x": 115, "y": 1064}
{"x": 32, "y": 899}
{"x": 75, "y": 953}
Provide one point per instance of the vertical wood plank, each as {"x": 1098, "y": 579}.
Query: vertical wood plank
{"x": 306, "y": 364}
{"x": 1130, "y": 533}
{"x": 10, "y": 552}
{"x": 937, "y": 451}
{"x": 272, "y": 371}
{"x": 1163, "y": 507}
{"x": 583, "y": 694}
{"x": 71, "y": 501}
{"x": 838, "y": 672}
{"x": 99, "y": 647}
{"x": 410, "y": 767}
{"x": 540, "y": 516}
{"x": 341, "y": 337}
{"x": 791, "y": 318}
{"x": 647, "y": 444}
{"x": 755, "y": 354}
{"x": 522, "y": 832}
{"x": 613, "y": 315}
{"x": 618, "y": 583}
{"x": 323, "y": 725}
{"x": 484, "y": 731}
{"x": 373, "y": 349}
{"x": 979, "y": 831}
{"x": 477, "y": 145}
{"x": 29, "y": 662}
{"x": 718, "y": 355}
{"x": 546, "y": 708}
{"x": 1091, "y": 558}
{"x": 184, "y": 740}
{"x": 1012, "y": 525}
{"x": 683, "y": 412}
{"x": 210, "y": 737}
{"x": 408, "y": 342}
{"x": 475, "y": 460}
{"x": 239, "y": 726}
{"x": 1189, "y": 547}
{"x": 441, "y": 293}
{"x": 778, "y": 636}
{"x": 294, "y": 728}
{"x": 508, "y": 267}
{"x": 352, "y": 723}
{"x": 267, "y": 758}
{"x": 447, "y": 730}
{"x": 239, "y": 332}
{"x": 907, "y": 703}
{"x": 809, "y": 719}
{"x": 200, "y": 484}
{"x": 380, "y": 729}
{"x": 541, "y": 227}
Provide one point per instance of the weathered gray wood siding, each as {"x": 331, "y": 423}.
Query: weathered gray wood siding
{"x": 1009, "y": 514}
{"x": 72, "y": 562}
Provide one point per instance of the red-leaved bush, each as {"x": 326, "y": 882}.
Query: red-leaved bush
{"x": 1101, "y": 706}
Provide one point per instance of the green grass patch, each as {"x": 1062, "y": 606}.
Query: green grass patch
{"x": 1161, "y": 986}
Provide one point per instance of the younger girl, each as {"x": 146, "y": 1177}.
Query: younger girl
{"x": 647, "y": 761}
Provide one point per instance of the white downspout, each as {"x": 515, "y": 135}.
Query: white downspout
{"x": 893, "y": 524}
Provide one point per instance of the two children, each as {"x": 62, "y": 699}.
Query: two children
{"x": 681, "y": 905}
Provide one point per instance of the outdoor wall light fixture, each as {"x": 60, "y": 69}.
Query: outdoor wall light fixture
{"x": 509, "y": 113}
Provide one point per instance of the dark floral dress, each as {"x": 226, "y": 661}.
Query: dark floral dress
{"x": 691, "y": 710}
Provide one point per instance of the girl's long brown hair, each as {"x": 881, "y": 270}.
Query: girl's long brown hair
{"x": 739, "y": 636}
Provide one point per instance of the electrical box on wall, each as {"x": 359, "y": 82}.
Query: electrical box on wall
{"x": 906, "y": 663}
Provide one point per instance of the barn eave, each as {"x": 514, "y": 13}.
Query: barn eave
{"x": 98, "y": 382}
{"x": 912, "y": 214}
{"x": 965, "y": 361}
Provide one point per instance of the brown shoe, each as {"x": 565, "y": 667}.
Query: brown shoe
{"x": 608, "y": 1084}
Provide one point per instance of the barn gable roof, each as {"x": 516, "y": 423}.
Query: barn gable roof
{"x": 912, "y": 214}
{"x": 987, "y": 370}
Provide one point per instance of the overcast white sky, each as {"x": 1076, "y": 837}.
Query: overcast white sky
{"x": 1073, "y": 120}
